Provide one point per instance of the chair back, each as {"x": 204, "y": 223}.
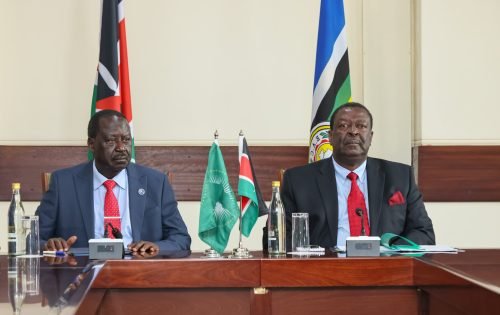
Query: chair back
{"x": 281, "y": 173}
{"x": 45, "y": 181}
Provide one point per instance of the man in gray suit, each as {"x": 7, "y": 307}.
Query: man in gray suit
{"x": 72, "y": 211}
{"x": 391, "y": 201}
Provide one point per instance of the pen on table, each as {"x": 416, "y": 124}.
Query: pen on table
{"x": 54, "y": 253}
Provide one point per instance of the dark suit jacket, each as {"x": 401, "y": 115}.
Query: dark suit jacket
{"x": 312, "y": 188}
{"x": 67, "y": 208}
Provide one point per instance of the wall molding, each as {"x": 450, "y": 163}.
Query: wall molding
{"x": 458, "y": 173}
{"x": 444, "y": 173}
{"x": 186, "y": 165}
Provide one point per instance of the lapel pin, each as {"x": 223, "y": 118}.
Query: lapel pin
{"x": 141, "y": 191}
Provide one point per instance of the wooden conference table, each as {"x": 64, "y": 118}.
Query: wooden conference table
{"x": 185, "y": 283}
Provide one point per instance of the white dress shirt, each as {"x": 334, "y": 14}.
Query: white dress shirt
{"x": 343, "y": 189}
{"x": 121, "y": 192}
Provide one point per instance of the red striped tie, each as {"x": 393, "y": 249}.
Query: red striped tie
{"x": 355, "y": 201}
{"x": 111, "y": 208}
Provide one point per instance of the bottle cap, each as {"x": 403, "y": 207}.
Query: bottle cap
{"x": 275, "y": 183}
{"x": 16, "y": 185}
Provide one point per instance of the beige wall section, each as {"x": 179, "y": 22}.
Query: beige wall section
{"x": 387, "y": 76}
{"x": 458, "y": 71}
{"x": 456, "y": 102}
{"x": 197, "y": 65}
{"x": 194, "y": 65}
{"x": 466, "y": 224}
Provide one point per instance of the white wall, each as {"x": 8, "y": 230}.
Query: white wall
{"x": 457, "y": 71}
{"x": 199, "y": 65}
{"x": 194, "y": 66}
{"x": 458, "y": 66}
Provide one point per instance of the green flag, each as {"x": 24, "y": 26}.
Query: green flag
{"x": 218, "y": 210}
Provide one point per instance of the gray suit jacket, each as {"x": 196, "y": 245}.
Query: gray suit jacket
{"x": 312, "y": 188}
{"x": 67, "y": 208}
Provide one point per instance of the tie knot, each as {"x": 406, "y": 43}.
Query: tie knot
{"x": 109, "y": 184}
{"x": 352, "y": 176}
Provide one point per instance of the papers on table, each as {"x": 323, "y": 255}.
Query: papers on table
{"x": 421, "y": 250}
{"x": 311, "y": 250}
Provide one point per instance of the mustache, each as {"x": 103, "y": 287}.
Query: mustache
{"x": 353, "y": 141}
{"x": 121, "y": 156}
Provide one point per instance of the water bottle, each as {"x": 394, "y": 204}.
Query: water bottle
{"x": 276, "y": 236}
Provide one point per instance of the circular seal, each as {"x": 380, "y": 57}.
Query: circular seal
{"x": 320, "y": 147}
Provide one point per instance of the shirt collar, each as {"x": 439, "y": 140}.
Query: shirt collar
{"x": 343, "y": 172}
{"x": 99, "y": 179}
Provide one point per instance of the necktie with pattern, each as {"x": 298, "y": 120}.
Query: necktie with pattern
{"x": 355, "y": 201}
{"x": 111, "y": 209}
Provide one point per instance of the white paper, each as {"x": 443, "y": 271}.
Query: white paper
{"x": 422, "y": 249}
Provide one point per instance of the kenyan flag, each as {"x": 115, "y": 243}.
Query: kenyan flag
{"x": 252, "y": 204}
{"x": 112, "y": 85}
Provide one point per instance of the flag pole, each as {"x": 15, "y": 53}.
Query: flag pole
{"x": 210, "y": 252}
{"x": 241, "y": 214}
{"x": 241, "y": 202}
{"x": 240, "y": 252}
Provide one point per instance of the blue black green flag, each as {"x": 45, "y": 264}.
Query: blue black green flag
{"x": 332, "y": 84}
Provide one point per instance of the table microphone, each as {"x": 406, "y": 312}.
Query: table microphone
{"x": 107, "y": 248}
{"x": 359, "y": 212}
{"x": 115, "y": 231}
{"x": 362, "y": 245}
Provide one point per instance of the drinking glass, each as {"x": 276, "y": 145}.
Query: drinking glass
{"x": 31, "y": 228}
{"x": 300, "y": 232}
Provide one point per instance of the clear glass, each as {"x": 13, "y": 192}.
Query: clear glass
{"x": 30, "y": 226}
{"x": 276, "y": 234}
{"x": 17, "y": 283}
{"x": 300, "y": 232}
{"x": 32, "y": 270}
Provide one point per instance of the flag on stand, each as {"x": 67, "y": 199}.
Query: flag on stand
{"x": 252, "y": 204}
{"x": 219, "y": 209}
{"x": 332, "y": 84}
{"x": 112, "y": 84}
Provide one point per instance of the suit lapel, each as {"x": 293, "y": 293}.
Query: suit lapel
{"x": 84, "y": 190}
{"x": 376, "y": 181}
{"x": 328, "y": 190}
{"x": 137, "y": 185}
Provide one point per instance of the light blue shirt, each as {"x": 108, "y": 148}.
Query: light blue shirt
{"x": 121, "y": 192}
{"x": 343, "y": 189}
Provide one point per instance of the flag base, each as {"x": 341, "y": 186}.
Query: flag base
{"x": 240, "y": 253}
{"x": 211, "y": 253}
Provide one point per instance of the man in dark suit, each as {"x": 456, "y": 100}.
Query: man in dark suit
{"x": 323, "y": 189}
{"x": 72, "y": 210}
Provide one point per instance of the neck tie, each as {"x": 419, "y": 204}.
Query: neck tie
{"x": 355, "y": 206}
{"x": 111, "y": 209}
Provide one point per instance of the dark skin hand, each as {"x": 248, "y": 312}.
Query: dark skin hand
{"x": 143, "y": 247}
{"x": 58, "y": 243}
{"x": 144, "y": 255}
